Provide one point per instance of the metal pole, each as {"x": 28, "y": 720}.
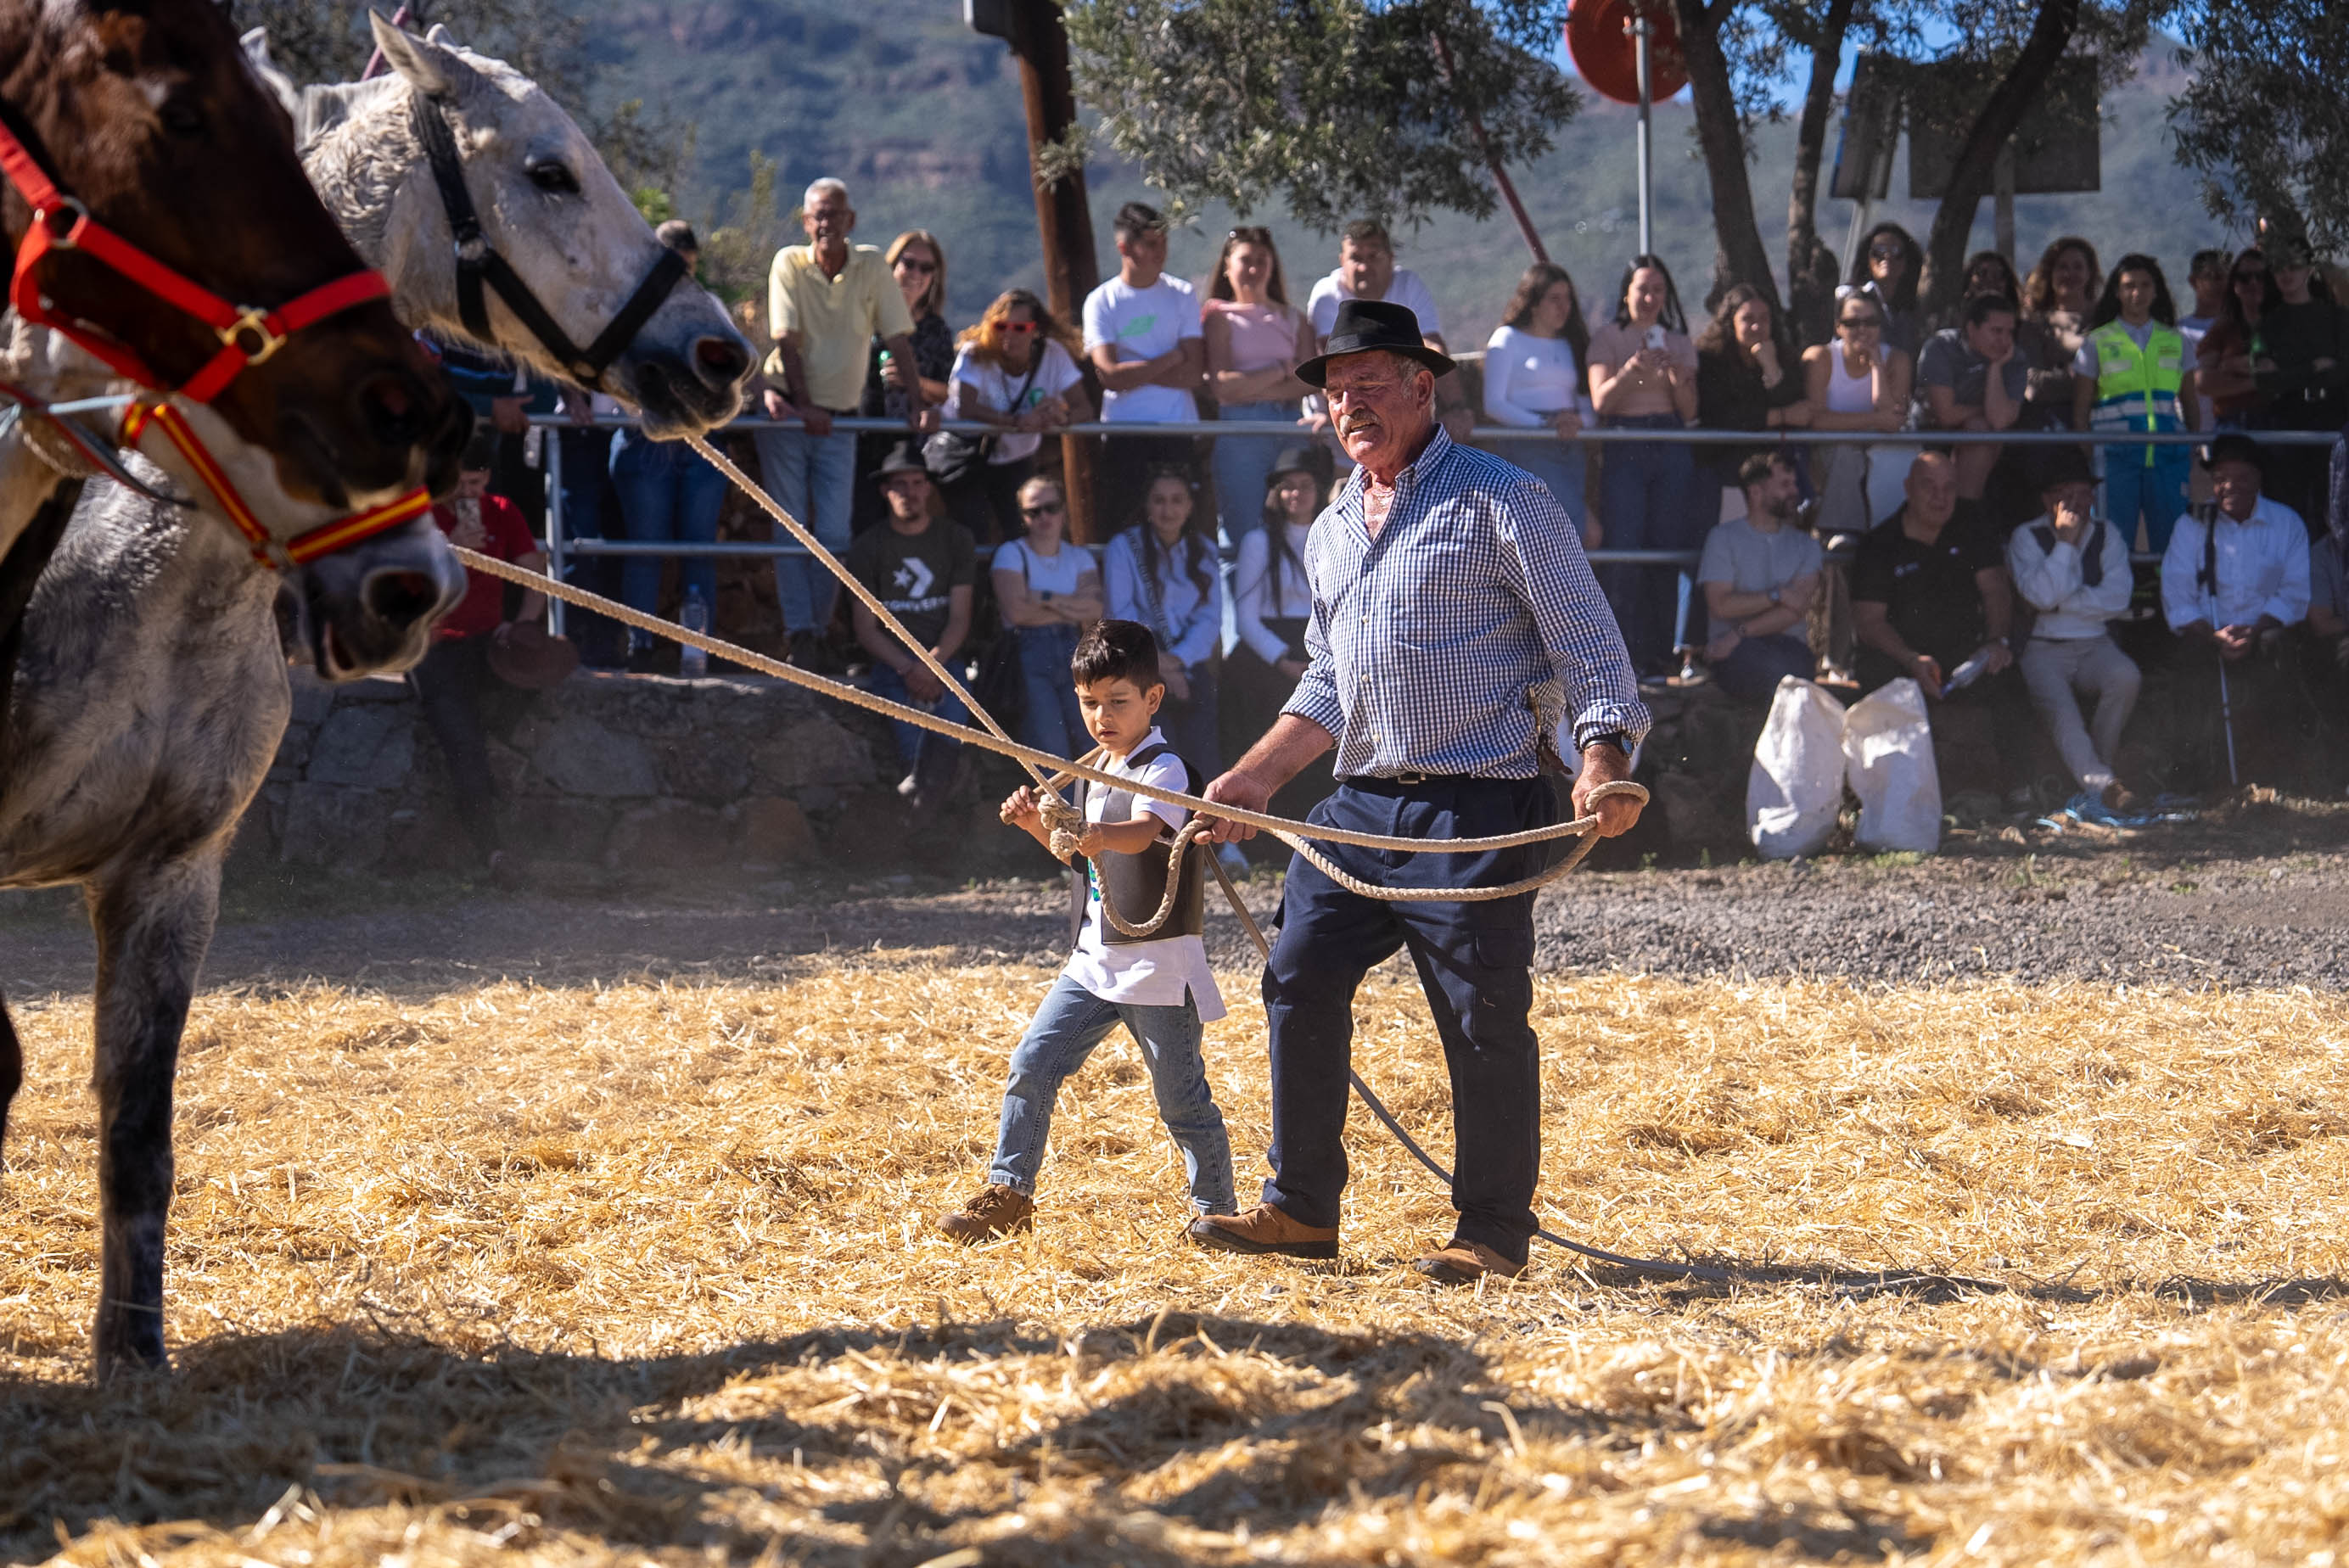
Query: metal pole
{"x": 1641, "y": 31}
{"x": 554, "y": 528}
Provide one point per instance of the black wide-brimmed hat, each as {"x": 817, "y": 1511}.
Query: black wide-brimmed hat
{"x": 905, "y": 458}
{"x": 2234, "y": 447}
{"x": 1310, "y": 460}
{"x": 2065, "y": 465}
{"x": 1364, "y": 325}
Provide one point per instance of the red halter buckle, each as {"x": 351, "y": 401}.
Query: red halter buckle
{"x": 249, "y": 335}
{"x": 275, "y": 554}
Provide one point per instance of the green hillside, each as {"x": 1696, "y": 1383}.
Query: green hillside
{"x": 923, "y": 120}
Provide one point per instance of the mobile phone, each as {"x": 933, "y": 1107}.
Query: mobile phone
{"x": 1656, "y": 335}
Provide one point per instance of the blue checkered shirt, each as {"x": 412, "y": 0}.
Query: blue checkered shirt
{"x": 1454, "y": 641}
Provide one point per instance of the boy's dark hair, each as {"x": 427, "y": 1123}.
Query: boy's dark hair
{"x": 1136, "y": 218}
{"x": 1982, "y": 307}
{"x": 1757, "y": 468}
{"x": 1116, "y": 650}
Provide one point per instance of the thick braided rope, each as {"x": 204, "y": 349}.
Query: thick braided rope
{"x": 1034, "y": 759}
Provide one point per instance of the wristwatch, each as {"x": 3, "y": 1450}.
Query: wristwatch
{"x": 1775, "y": 597}
{"x": 1613, "y": 737}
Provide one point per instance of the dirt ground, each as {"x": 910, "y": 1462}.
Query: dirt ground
{"x": 592, "y": 1229}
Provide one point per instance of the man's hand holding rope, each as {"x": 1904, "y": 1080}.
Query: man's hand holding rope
{"x": 1617, "y": 812}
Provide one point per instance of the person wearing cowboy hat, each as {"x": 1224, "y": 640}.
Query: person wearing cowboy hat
{"x": 2071, "y": 567}
{"x": 924, "y": 569}
{"x": 2230, "y": 586}
{"x": 1456, "y": 622}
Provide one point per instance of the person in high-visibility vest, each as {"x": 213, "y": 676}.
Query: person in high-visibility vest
{"x": 2134, "y": 374}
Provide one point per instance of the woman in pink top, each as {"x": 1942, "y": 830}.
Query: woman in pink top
{"x": 1256, "y": 339}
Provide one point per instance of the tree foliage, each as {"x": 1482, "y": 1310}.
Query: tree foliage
{"x": 1333, "y": 108}
{"x": 2264, "y": 120}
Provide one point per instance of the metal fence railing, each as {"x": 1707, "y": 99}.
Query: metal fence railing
{"x": 560, "y": 547}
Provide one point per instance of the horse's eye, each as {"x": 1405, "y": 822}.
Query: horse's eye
{"x": 182, "y": 119}
{"x": 554, "y": 178}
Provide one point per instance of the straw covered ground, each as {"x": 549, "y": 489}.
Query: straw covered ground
{"x": 636, "y": 1270}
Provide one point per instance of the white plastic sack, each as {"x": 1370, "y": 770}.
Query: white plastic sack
{"x": 1890, "y": 747}
{"x": 1795, "y": 789}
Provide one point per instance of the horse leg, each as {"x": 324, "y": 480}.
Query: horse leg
{"x": 153, "y": 920}
{"x": 12, "y": 1070}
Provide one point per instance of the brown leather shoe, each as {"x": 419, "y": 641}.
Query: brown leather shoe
{"x": 1263, "y": 1228}
{"x": 1466, "y": 1263}
{"x": 992, "y": 1212}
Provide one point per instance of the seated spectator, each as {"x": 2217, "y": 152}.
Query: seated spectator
{"x": 924, "y": 569}
{"x": 2303, "y": 376}
{"x": 2223, "y": 365}
{"x": 1366, "y": 269}
{"x": 667, "y": 493}
{"x": 2229, "y": 588}
{"x": 1534, "y": 378}
{"x": 1643, "y": 377}
{"x": 1163, "y": 573}
{"x": 1887, "y": 267}
{"x": 1143, "y": 334}
{"x": 1049, "y": 591}
{"x": 457, "y": 678}
{"x": 1254, "y": 341}
{"x": 1987, "y": 272}
{"x": 2133, "y": 374}
{"x": 1272, "y": 603}
{"x": 1759, "y": 574}
{"x": 1929, "y": 596}
{"x": 1971, "y": 377}
{"x": 1016, "y": 370}
{"x": 918, "y": 262}
{"x": 1746, "y": 379}
{"x": 1855, "y": 383}
{"x": 826, "y": 301}
{"x": 506, "y": 396}
{"x": 2073, "y": 568}
{"x": 2057, "y": 299}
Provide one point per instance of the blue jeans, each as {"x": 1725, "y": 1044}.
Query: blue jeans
{"x": 911, "y": 737}
{"x": 1558, "y": 464}
{"x": 1752, "y": 671}
{"x": 2154, "y": 492}
{"x": 1475, "y": 965}
{"x": 668, "y": 492}
{"x": 1069, "y": 1024}
{"x": 814, "y": 478}
{"x": 1242, "y": 463}
{"x": 1648, "y": 501}
{"x": 1052, "y": 722}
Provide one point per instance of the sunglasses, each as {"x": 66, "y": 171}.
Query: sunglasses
{"x": 1859, "y": 324}
{"x": 1050, "y": 508}
{"x": 1884, "y": 252}
{"x": 2242, "y": 278}
{"x": 915, "y": 265}
{"x": 1021, "y": 327}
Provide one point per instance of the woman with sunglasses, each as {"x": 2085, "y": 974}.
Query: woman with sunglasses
{"x": 1888, "y": 265}
{"x": 1049, "y": 592}
{"x": 1855, "y": 383}
{"x": 2223, "y": 365}
{"x": 1016, "y": 370}
{"x": 1254, "y": 341}
{"x": 918, "y": 262}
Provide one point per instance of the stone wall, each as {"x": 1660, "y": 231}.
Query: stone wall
{"x": 627, "y": 774}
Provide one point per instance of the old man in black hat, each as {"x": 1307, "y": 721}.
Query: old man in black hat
{"x": 1456, "y": 627}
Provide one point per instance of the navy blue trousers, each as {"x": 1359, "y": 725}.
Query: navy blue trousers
{"x": 1474, "y": 963}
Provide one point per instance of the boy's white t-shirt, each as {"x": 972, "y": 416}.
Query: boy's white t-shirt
{"x": 1156, "y": 974}
{"x": 1144, "y": 324}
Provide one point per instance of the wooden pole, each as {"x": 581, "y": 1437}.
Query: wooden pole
{"x": 1064, "y": 222}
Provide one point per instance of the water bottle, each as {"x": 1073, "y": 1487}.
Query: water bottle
{"x": 1966, "y": 674}
{"x": 693, "y": 662}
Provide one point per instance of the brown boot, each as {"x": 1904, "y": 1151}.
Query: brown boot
{"x": 992, "y": 1212}
{"x": 1263, "y": 1228}
{"x": 1466, "y": 1263}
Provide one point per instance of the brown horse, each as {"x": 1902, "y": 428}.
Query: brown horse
{"x": 146, "y": 113}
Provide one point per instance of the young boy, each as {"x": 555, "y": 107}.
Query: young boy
{"x": 1160, "y": 987}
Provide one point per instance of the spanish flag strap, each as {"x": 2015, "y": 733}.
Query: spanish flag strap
{"x": 278, "y": 555}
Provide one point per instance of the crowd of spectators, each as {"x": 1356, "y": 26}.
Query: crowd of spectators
{"x": 2010, "y": 579}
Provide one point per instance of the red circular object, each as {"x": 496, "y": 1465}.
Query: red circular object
{"x": 1598, "y": 37}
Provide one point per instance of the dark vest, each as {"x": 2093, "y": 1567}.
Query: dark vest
{"x": 1134, "y": 886}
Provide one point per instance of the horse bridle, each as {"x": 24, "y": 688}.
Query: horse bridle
{"x": 478, "y": 263}
{"x": 249, "y": 335}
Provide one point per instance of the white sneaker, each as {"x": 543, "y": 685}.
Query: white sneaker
{"x": 907, "y": 785}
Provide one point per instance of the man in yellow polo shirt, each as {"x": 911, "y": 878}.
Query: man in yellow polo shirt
{"x": 826, "y": 301}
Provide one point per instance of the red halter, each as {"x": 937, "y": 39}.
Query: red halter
{"x": 278, "y": 556}
{"x": 248, "y": 333}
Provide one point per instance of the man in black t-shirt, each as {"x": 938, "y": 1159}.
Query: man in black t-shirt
{"x": 1928, "y": 592}
{"x": 924, "y": 570}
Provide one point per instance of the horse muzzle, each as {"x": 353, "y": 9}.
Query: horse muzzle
{"x": 370, "y": 609}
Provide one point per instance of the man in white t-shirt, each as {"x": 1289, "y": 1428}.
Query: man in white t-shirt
{"x": 1367, "y": 270}
{"x": 1144, "y": 336}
